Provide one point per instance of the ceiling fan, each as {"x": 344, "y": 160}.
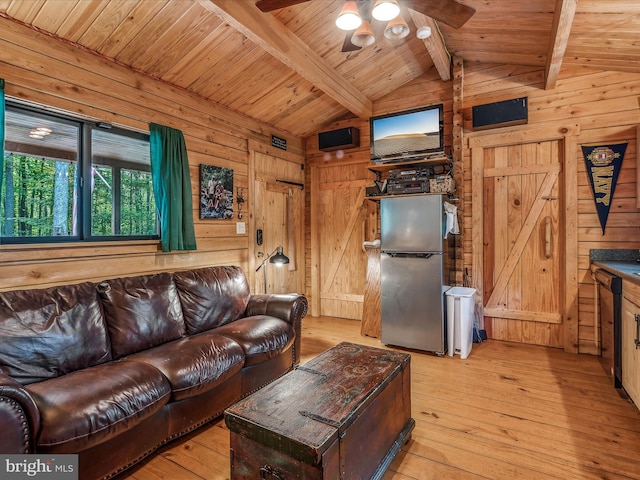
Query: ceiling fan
{"x": 449, "y": 12}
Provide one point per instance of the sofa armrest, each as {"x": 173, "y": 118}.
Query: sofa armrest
{"x": 19, "y": 417}
{"x": 291, "y": 307}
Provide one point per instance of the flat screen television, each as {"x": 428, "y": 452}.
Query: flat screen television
{"x": 407, "y": 135}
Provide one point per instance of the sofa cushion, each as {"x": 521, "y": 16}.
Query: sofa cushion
{"x": 141, "y": 312}
{"x": 212, "y": 296}
{"x": 194, "y": 364}
{"x": 45, "y": 333}
{"x": 262, "y": 337}
{"x": 90, "y": 406}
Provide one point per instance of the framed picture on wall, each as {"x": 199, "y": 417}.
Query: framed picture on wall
{"x": 216, "y": 192}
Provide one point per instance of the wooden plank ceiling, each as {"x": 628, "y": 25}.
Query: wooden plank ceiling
{"x": 286, "y": 68}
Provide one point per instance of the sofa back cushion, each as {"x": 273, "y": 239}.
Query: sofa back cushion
{"x": 46, "y": 333}
{"x": 211, "y": 296}
{"x": 141, "y": 312}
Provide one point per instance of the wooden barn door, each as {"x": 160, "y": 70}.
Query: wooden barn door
{"x": 279, "y": 214}
{"x": 522, "y": 238}
{"x": 341, "y": 220}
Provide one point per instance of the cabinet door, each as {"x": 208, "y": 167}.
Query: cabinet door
{"x": 630, "y": 354}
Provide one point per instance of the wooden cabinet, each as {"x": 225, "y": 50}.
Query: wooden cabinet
{"x": 630, "y": 340}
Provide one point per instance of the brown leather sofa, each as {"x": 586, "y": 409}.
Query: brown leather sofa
{"x": 113, "y": 371}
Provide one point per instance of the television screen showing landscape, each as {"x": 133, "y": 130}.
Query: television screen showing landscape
{"x": 406, "y": 134}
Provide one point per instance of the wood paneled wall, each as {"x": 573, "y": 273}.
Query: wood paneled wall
{"x": 337, "y": 262}
{"x": 602, "y": 105}
{"x": 40, "y": 69}
{"x": 37, "y": 68}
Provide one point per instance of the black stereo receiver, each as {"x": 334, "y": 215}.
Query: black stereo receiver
{"x": 408, "y": 186}
{"x": 413, "y": 173}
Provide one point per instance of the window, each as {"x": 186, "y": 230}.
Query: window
{"x": 70, "y": 180}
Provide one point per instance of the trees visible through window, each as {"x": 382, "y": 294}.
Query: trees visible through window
{"x": 66, "y": 179}
{"x": 37, "y": 197}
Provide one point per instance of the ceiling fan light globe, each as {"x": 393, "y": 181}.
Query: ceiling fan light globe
{"x": 396, "y": 29}
{"x": 363, "y": 36}
{"x": 349, "y": 18}
{"x": 385, "y": 10}
{"x": 363, "y": 40}
{"x": 423, "y": 33}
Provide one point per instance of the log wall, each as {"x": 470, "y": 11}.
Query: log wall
{"x": 40, "y": 69}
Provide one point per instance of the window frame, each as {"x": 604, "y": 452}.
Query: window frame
{"x": 83, "y": 179}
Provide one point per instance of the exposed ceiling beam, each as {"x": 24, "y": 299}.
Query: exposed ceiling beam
{"x": 435, "y": 45}
{"x": 271, "y": 35}
{"x": 451, "y": 12}
{"x": 562, "y": 22}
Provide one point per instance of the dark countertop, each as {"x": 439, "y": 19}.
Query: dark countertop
{"x": 625, "y": 263}
{"x": 624, "y": 255}
{"x": 625, "y": 270}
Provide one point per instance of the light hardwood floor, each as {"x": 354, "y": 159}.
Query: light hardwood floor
{"x": 508, "y": 411}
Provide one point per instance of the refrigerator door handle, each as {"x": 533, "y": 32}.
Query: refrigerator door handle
{"x": 409, "y": 255}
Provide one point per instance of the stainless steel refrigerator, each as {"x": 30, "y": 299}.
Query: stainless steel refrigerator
{"x": 411, "y": 267}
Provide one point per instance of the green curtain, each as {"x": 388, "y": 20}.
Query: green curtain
{"x": 2, "y": 108}
{"x": 172, "y": 188}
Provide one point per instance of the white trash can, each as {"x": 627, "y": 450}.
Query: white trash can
{"x": 460, "y": 312}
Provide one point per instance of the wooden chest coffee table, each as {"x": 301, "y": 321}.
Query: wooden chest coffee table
{"x": 343, "y": 415}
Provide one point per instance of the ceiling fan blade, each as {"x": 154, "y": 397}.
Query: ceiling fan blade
{"x": 347, "y": 46}
{"x": 449, "y": 12}
{"x": 270, "y": 5}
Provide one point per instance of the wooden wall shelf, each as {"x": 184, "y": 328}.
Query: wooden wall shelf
{"x": 384, "y": 168}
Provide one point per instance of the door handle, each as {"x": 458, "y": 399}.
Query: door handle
{"x": 547, "y": 238}
{"x": 637, "y": 339}
{"x": 364, "y": 235}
